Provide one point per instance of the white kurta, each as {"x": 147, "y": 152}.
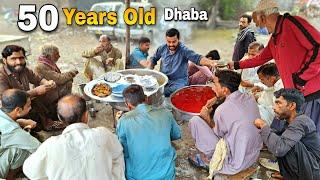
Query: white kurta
{"x": 79, "y": 152}
{"x": 266, "y": 102}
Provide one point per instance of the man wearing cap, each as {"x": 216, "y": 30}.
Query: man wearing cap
{"x": 294, "y": 45}
{"x": 110, "y": 58}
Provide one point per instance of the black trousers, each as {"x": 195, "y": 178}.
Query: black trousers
{"x": 300, "y": 164}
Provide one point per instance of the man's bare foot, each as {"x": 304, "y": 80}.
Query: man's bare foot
{"x": 276, "y": 175}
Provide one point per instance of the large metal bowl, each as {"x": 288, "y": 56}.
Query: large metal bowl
{"x": 156, "y": 98}
{"x": 180, "y": 114}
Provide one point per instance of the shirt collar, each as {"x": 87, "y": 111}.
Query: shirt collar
{"x": 142, "y": 107}
{"x": 233, "y": 95}
{"x": 138, "y": 49}
{"x": 7, "y": 70}
{"x": 7, "y": 124}
{"x": 278, "y": 28}
{"x": 74, "y": 127}
{"x": 278, "y": 83}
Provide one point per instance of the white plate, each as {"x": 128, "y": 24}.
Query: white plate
{"x": 148, "y": 81}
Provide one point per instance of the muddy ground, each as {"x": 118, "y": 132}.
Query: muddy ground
{"x": 72, "y": 41}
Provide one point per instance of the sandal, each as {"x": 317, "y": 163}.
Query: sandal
{"x": 55, "y": 126}
{"x": 197, "y": 162}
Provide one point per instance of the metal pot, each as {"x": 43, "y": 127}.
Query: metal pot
{"x": 156, "y": 98}
{"x": 180, "y": 114}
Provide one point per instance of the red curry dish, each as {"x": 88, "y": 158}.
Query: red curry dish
{"x": 192, "y": 99}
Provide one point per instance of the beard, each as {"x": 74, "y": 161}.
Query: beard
{"x": 172, "y": 48}
{"x": 242, "y": 27}
{"x": 282, "y": 116}
{"x": 17, "y": 68}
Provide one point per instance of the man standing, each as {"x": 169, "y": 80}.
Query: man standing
{"x": 145, "y": 133}
{"x": 16, "y": 144}
{"x": 297, "y": 148}
{"x": 15, "y": 74}
{"x": 110, "y": 59}
{"x": 294, "y": 45}
{"x": 79, "y": 152}
{"x": 138, "y": 58}
{"x": 232, "y": 122}
{"x": 48, "y": 69}
{"x": 244, "y": 38}
{"x": 174, "y": 57}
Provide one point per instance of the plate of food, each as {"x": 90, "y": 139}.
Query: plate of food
{"x": 112, "y": 77}
{"x": 101, "y": 90}
{"x": 148, "y": 81}
{"x": 132, "y": 79}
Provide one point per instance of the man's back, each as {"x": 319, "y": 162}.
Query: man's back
{"x": 78, "y": 153}
{"x": 234, "y": 122}
{"x": 146, "y": 134}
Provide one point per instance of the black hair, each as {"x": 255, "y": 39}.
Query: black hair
{"x": 134, "y": 94}
{"x": 269, "y": 69}
{"x": 9, "y": 49}
{"x": 248, "y": 17}
{"x": 77, "y": 109}
{"x": 173, "y": 32}
{"x": 13, "y": 98}
{"x": 291, "y": 95}
{"x": 214, "y": 54}
{"x": 144, "y": 40}
{"x": 229, "y": 79}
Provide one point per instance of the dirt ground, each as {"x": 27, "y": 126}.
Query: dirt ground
{"x": 72, "y": 42}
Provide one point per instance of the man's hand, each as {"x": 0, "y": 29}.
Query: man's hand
{"x": 231, "y": 65}
{"x": 256, "y": 89}
{"x": 118, "y": 115}
{"x": 42, "y": 89}
{"x": 259, "y": 123}
{"x": 246, "y": 84}
{"x": 109, "y": 61}
{"x": 207, "y": 109}
{"x": 49, "y": 84}
{"x": 208, "y": 62}
{"x": 74, "y": 72}
{"x": 98, "y": 49}
{"x": 211, "y": 102}
{"x": 26, "y": 123}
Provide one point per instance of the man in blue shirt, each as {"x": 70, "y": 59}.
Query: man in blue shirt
{"x": 138, "y": 57}
{"x": 145, "y": 133}
{"x": 174, "y": 57}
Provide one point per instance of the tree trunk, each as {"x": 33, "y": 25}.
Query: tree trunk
{"x": 127, "y": 58}
{"x": 212, "y": 22}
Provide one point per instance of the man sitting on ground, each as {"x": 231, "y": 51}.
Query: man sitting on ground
{"x": 201, "y": 74}
{"x": 48, "y": 69}
{"x": 15, "y": 74}
{"x": 232, "y": 122}
{"x": 249, "y": 76}
{"x": 174, "y": 57}
{"x": 110, "y": 59}
{"x": 138, "y": 57}
{"x": 269, "y": 76}
{"x": 145, "y": 133}
{"x": 79, "y": 152}
{"x": 297, "y": 148}
{"x": 16, "y": 144}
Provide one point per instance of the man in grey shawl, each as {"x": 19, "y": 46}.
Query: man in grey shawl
{"x": 245, "y": 37}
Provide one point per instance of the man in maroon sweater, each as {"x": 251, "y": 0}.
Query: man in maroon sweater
{"x": 294, "y": 45}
